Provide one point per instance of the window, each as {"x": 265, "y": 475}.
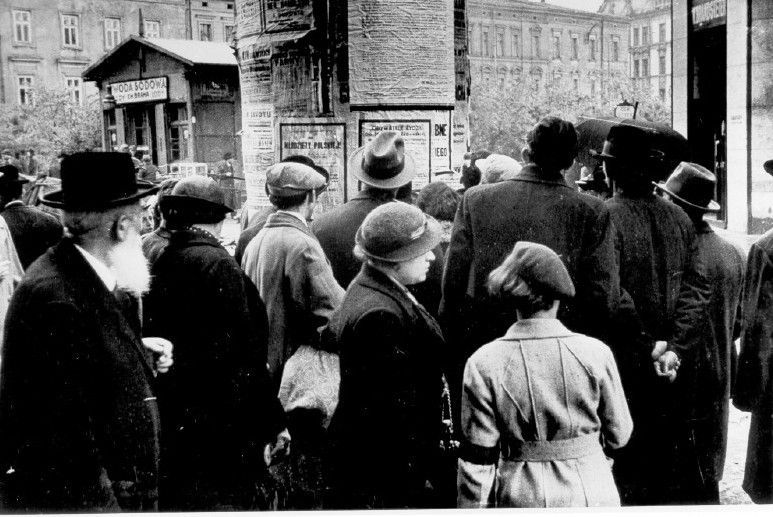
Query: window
{"x": 635, "y": 37}
{"x": 21, "y": 27}
{"x": 576, "y": 84}
{"x": 178, "y": 132}
{"x": 645, "y": 35}
{"x": 500, "y": 50}
{"x": 152, "y": 29}
{"x": 70, "y": 35}
{"x": 636, "y": 68}
{"x": 615, "y": 50}
{"x": 662, "y": 33}
{"x": 515, "y": 39}
{"x": 575, "y": 47}
{"x": 592, "y": 49}
{"x": 484, "y": 43}
{"x": 556, "y": 46}
{"x": 535, "y": 50}
{"x": 228, "y": 33}
{"x": 662, "y": 64}
{"x": 556, "y": 78}
{"x": 501, "y": 75}
{"x": 72, "y": 86}
{"x": 662, "y": 94}
{"x": 112, "y": 32}
{"x": 645, "y": 67}
{"x": 205, "y": 31}
{"x": 25, "y": 85}
{"x": 593, "y": 87}
{"x": 471, "y": 40}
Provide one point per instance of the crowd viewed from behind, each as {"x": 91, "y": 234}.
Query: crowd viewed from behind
{"x": 521, "y": 342}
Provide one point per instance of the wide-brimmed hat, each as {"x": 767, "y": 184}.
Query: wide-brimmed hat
{"x": 288, "y": 179}
{"x": 195, "y": 199}
{"x": 693, "y": 185}
{"x": 383, "y": 162}
{"x": 9, "y": 175}
{"x": 396, "y": 232}
{"x": 629, "y": 144}
{"x": 97, "y": 181}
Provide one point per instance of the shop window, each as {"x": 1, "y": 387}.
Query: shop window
{"x": 205, "y": 31}
{"x": 73, "y": 87}
{"x": 152, "y": 29}
{"x": 25, "y": 84}
{"x": 575, "y": 48}
{"x": 22, "y": 27}
{"x": 112, "y": 32}
{"x": 178, "y": 132}
{"x": 70, "y": 30}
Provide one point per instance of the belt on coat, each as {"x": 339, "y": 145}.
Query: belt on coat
{"x": 551, "y": 450}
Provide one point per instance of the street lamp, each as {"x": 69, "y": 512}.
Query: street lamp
{"x": 626, "y": 110}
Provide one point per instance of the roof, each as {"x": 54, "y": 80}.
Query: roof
{"x": 188, "y": 52}
{"x": 274, "y": 37}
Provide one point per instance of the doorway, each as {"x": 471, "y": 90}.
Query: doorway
{"x": 141, "y": 129}
{"x": 707, "y": 107}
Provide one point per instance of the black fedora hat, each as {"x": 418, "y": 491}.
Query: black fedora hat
{"x": 629, "y": 144}
{"x": 9, "y": 175}
{"x": 195, "y": 199}
{"x": 692, "y": 185}
{"x": 382, "y": 162}
{"x": 97, "y": 181}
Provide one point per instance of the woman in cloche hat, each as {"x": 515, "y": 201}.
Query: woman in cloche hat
{"x": 539, "y": 402}
{"x": 386, "y": 430}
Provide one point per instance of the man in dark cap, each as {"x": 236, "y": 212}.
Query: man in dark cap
{"x": 708, "y": 357}
{"x": 535, "y": 206}
{"x": 33, "y": 231}
{"x": 78, "y": 418}
{"x": 656, "y": 249}
{"x": 219, "y": 410}
{"x": 383, "y": 167}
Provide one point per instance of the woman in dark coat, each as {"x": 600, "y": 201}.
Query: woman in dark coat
{"x": 386, "y": 430}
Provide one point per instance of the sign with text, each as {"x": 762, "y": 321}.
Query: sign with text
{"x": 143, "y": 90}
{"x": 418, "y": 142}
{"x": 708, "y": 13}
{"x": 325, "y": 144}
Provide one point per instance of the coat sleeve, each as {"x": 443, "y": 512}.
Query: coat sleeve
{"x": 616, "y": 422}
{"x": 753, "y": 379}
{"x": 480, "y": 441}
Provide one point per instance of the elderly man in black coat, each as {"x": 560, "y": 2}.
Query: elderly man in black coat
{"x": 33, "y": 231}
{"x": 536, "y": 206}
{"x": 219, "y": 411}
{"x": 78, "y": 417}
{"x": 383, "y": 167}
{"x": 668, "y": 288}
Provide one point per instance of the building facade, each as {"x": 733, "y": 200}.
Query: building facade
{"x": 516, "y": 40}
{"x": 650, "y": 43}
{"x": 49, "y": 43}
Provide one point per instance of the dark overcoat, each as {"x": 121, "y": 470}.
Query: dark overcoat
{"x": 753, "y": 387}
{"x": 218, "y": 409}
{"x": 386, "y": 430}
{"x": 78, "y": 417}
{"x": 531, "y": 207}
{"x": 336, "y": 230}
{"x": 33, "y": 231}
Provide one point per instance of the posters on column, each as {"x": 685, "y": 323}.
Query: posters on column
{"x": 325, "y": 143}
{"x": 418, "y": 142}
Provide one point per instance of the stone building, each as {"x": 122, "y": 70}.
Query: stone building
{"x": 650, "y": 43}
{"x": 515, "y": 40}
{"x": 49, "y": 43}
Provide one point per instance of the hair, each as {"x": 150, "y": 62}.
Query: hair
{"x": 438, "y": 200}
{"x": 405, "y": 193}
{"x": 381, "y": 194}
{"x": 552, "y": 144}
{"x": 288, "y": 202}
{"x": 505, "y": 284}
{"x": 471, "y": 174}
{"x": 85, "y": 225}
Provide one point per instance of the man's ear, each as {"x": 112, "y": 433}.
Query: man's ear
{"x": 122, "y": 227}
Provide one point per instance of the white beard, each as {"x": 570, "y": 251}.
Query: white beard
{"x": 130, "y": 266}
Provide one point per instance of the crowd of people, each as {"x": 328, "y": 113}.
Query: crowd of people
{"x": 516, "y": 344}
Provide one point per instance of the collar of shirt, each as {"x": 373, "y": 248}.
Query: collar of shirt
{"x": 15, "y": 202}
{"x": 102, "y": 271}
{"x": 294, "y": 214}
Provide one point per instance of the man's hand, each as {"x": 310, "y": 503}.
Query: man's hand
{"x": 279, "y": 449}
{"x": 667, "y": 365}
{"x": 162, "y": 352}
{"x": 659, "y": 348}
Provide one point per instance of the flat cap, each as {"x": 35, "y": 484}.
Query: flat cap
{"x": 532, "y": 267}
{"x": 286, "y": 179}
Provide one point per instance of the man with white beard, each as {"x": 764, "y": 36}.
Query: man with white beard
{"x": 78, "y": 417}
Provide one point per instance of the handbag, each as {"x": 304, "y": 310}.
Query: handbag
{"x": 310, "y": 380}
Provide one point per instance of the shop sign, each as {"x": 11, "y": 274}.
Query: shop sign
{"x": 215, "y": 90}
{"x": 143, "y": 90}
{"x": 708, "y": 13}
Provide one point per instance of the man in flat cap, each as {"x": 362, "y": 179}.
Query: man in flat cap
{"x": 78, "y": 417}
{"x": 295, "y": 281}
{"x": 219, "y": 408}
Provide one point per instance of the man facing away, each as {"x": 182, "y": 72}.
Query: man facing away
{"x": 78, "y": 417}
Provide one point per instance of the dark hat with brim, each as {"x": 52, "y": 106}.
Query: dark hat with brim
{"x": 397, "y": 232}
{"x": 97, "y": 181}
{"x": 195, "y": 199}
{"x": 9, "y": 175}
{"x": 692, "y": 185}
{"x": 383, "y": 162}
{"x": 768, "y": 165}
{"x": 626, "y": 143}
